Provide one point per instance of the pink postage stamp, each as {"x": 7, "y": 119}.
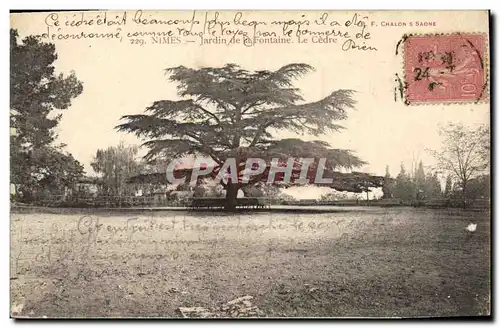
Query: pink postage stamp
{"x": 445, "y": 68}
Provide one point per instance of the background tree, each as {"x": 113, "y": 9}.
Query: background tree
{"x": 465, "y": 154}
{"x": 51, "y": 172}
{"x": 419, "y": 182}
{"x": 36, "y": 95}
{"x": 432, "y": 186}
{"x": 387, "y": 188}
{"x": 403, "y": 187}
{"x": 231, "y": 112}
{"x": 479, "y": 187}
{"x": 448, "y": 186}
{"x": 115, "y": 166}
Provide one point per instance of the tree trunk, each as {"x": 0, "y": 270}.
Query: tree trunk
{"x": 231, "y": 195}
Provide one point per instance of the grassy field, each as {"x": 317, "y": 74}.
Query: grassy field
{"x": 401, "y": 262}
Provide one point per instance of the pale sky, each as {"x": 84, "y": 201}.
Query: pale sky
{"x": 121, "y": 78}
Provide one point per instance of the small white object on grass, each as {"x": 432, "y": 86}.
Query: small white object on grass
{"x": 471, "y": 227}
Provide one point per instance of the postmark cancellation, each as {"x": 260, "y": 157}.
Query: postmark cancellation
{"x": 444, "y": 68}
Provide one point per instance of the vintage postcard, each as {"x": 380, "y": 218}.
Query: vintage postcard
{"x": 250, "y": 164}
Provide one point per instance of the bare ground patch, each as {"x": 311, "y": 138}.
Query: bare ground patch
{"x": 382, "y": 262}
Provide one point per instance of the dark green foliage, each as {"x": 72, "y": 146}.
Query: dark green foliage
{"x": 36, "y": 91}
{"x": 388, "y": 186}
{"x": 432, "y": 186}
{"x": 403, "y": 187}
{"x": 479, "y": 187}
{"x": 420, "y": 186}
{"x": 44, "y": 171}
{"x": 420, "y": 176}
{"x": 38, "y": 167}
